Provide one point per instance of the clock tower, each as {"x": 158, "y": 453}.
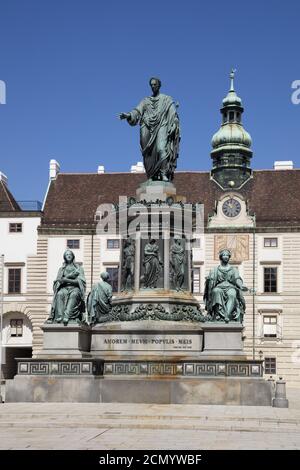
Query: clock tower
{"x": 231, "y": 153}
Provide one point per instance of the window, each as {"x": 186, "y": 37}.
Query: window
{"x": 113, "y": 244}
{"x": 196, "y": 280}
{"x": 270, "y": 242}
{"x": 270, "y": 326}
{"x": 231, "y": 116}
{"x": 16, "y": 327}
{"x": 270, "y": 365}
{"x": 270, "y": 279}
{"x": 113, "y": 278}
{"x": 73, "y": 244}
{"x": 14, "y": 280}
{"x": 15, "y": 227}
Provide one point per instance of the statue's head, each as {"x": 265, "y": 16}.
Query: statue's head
{"x": 104, "y": 276}
{"x": 69, "y": 256}
{"x": 225, "y": 255}
{"x": 152, "y": 241}
{"x": 155, "y": 84}
{"x": 177, "y": 239}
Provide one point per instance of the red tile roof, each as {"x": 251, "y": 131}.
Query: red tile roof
{"x": 273, "y": 195}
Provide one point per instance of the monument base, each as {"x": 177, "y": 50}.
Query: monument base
{"x": 133, "y": 380}
{"x": 223, "y": 338}
{"x": 144, "y": 361}
{"x": 70, "y": 341}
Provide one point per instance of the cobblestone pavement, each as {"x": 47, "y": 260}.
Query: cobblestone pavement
{"x": 138, "y": 426}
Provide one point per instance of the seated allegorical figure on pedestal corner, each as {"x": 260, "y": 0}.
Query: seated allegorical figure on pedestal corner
{"x": 69, "y": 292}
{"x": 99, "y": 299}
{"x": 223, "y": 293}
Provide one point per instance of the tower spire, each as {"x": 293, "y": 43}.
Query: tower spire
{"x": 232, "y": 73}
{"x": 231, "y": 151}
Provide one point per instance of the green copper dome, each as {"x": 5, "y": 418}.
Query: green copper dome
{"x": 231, "y": 144}
{"x": 231, "y": 133}
{"x": 232, "y": 99}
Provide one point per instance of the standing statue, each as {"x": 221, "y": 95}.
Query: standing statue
{"x": 99, "y": 300}
{"x": 152, "y": 264}
{"x": 159, "y": 132}
{"x": 128, "y": 265}
{"x": 177, "y": 261}
{"x": 223, "y": 293}
{"x": 69, "y": 292}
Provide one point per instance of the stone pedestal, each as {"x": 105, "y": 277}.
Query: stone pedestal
{"x": 70, "y": 341}
{"x": 223, "y": 339}
{"x": 147, "y": 338}
{"x": 151, "y": 191}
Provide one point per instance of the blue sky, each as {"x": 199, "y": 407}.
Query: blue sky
{"x": 70, "y": 66}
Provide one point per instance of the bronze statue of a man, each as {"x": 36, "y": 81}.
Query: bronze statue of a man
{"x": 159, "y": 132}
{"x": 223, "y": 293}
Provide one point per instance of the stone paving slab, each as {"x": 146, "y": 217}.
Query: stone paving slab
{"x": 140, "y": 426}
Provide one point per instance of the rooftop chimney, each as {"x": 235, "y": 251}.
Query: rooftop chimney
{"x": 101, "y": 169}
{"x": 284, "y": 165}
{"x": 3, "y": 178}
{"x": 138, "y": 168}
{"x": 54, "y": 168}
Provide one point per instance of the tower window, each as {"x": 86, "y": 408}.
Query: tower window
{"x": 231, "y": 116}
{"x": 238, "y": 117}
{"x": 224, "y": 118}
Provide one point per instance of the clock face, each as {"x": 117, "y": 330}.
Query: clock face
{"x": 231, "y": 207}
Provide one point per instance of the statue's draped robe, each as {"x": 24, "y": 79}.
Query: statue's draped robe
{"x": 99, "y": 301}
{"x": 152, "y": 266}
{"x": 159, "y": 134}
{"x": 220, "y": 285}
{"x": 68, "y": 301}
{"x": 177, "y": 258}
{"x": 128, "y": 267}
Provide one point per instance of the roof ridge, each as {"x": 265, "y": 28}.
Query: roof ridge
{"x": 13, "y": 203}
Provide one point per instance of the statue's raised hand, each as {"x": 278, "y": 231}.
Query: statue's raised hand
{"x": 124, "y": 116}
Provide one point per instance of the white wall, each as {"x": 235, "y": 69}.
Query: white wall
{"x": 17, "y": 246}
